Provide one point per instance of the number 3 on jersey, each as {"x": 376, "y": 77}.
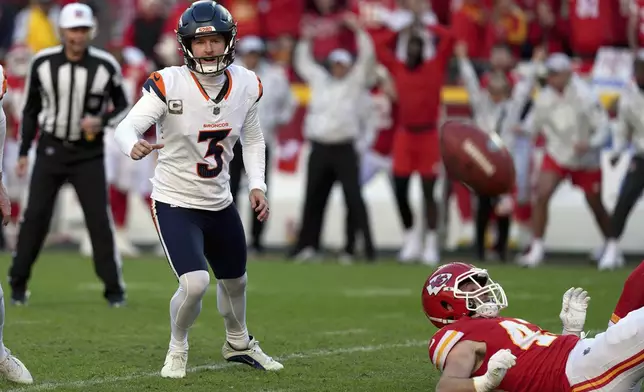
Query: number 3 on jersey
{"x": 524, "y": 337}
{"x": 215, "y": 149}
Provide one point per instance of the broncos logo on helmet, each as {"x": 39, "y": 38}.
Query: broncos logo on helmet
{"x": 203, "y": 18}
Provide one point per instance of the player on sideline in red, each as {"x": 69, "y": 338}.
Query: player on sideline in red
{"x": 478, "y": 350}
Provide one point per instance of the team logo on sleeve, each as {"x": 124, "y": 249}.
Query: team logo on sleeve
{"x": 175, "y": 106}
{"x": 437, "y": 283}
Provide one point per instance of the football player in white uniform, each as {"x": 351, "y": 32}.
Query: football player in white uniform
{"x": 201, "y": 109}
{"x": 10, "y": 367}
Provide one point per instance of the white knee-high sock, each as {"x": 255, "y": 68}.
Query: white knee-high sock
{"x": 3, "y": 353}
{"x": 185, "y": 306}
{"x": 231, "y": 302}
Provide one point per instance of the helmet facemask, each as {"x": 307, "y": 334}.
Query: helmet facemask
{"x": 487, "y": 299}
{"x": 221, "y": 62}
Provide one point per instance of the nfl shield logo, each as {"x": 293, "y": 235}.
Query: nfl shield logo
{"x": 216, "y": 110}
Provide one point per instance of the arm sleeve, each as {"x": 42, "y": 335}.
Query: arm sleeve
{"x": 304, "y": 63}
{"x": 254, "y": 150}
{"x": 471, "y": 81}
{"x": 119, "y": 100}
{"x": 441, "y": 344}
{"x": 150, "y": 109}
{"x": 365, "y": 60}
{"x": 31, "y": 110}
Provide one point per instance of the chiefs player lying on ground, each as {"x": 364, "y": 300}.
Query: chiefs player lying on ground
{"x": 477, "y": 350}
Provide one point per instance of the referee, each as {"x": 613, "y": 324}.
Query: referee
{"x": 67, "y": 91}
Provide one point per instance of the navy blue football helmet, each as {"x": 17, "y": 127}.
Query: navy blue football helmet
{"x": 203, "y": 18}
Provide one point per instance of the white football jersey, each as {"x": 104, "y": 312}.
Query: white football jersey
{"x": 198, "y": 132}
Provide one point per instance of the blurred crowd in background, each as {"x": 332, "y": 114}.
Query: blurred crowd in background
{"x": 495, "y": 34}
{"x": 135, "y": 28}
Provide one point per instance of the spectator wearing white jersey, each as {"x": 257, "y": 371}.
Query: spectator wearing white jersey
{"x": 333, "y": 127}
{"x": 629, "y": 127}
{"x": 276, "y": 109}
{"x": 575, "y": 126}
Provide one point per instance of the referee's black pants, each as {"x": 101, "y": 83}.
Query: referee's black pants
{"x": 236, "y": 169}
{"x": 329, "y": 163}
{"x": 56, "y": 164}
{"x": 632, "y": 188}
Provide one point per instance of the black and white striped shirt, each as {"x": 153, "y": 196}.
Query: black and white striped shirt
{"x": 59, "y": 93}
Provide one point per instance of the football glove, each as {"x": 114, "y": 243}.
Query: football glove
{"x": 573, "y": 311}
{"x": 497, "y": 367}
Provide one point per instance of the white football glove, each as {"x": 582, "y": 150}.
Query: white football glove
{"x": 573, "y": 311}
{"x": 497, "y": 367}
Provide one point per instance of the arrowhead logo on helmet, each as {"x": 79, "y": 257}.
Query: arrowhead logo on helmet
{"x": 437, "y": 283}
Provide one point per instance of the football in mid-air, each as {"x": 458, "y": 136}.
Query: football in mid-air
{"x": 477, "y": 159}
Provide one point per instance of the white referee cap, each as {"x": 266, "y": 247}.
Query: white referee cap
{"x": 249, "y": 44}
{"x": 341, "y": 56}
{"x": 76, "y": 15}
{"x": 558, "y": 62}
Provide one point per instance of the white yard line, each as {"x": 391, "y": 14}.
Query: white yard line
{"x": 345, "y": 332}
{"x": 217, "y": 366}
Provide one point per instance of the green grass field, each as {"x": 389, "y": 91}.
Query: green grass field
{"x": 336, "y": 328}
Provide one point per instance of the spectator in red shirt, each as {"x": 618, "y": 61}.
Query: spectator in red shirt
{"x": 416, "y": 140}
{"x": 548, "y": 29}
{"x": 443, "y": 11}
{"x": 324, "y": 18}
{"x": 247, "y": 15}
{"x": 281, "y": 17}
{"x": 468, "y": 25}
{"x": 591, "y": 26}
{"x": 507, "y": 24}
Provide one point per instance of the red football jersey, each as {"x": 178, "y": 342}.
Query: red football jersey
{"x": 541, "y": 355}
{"x": 591, "y": 25}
